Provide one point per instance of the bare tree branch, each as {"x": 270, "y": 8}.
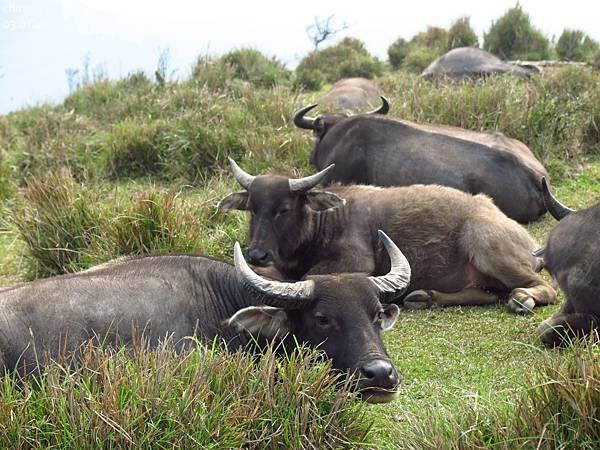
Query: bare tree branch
{"x": 323, "y": 29}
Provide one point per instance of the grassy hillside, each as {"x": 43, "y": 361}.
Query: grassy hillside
{"x": 134, "y": 166}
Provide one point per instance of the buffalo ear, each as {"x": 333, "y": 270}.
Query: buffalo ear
{"x": 235, "y": 201}
{"x": 390, "y": 315}
{"x": 322, "y": 200}
{"x": 266, "y": 321}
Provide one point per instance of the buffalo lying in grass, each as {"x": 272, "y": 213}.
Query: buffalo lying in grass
{"x": 386, "y": 151}
{"x": 572, "y": 256}
{"x": 458, "y": 245}
{"x": 352, "y": 96}
{"x": 178, "y": 296}
{"x": 471, "y": 62}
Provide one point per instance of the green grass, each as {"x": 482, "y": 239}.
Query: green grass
{"x": 131, "y": 166}
{"x": 204, "y": 398}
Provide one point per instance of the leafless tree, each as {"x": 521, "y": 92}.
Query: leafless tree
{"x": 323, "y": 29}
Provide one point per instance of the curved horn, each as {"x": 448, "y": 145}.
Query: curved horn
{"x": 306, "y": 123}
{"x": 383, "y": 109}
{"x": 554, "y": 207}
{"x": 272, "y": 293}
{"x": 398, "y": 278}
{"x": 307, "y": 183}
{"x": 243, "y": 178}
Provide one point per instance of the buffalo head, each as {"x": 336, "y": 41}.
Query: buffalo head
{"x": 320, "y": 125}
{"x": 279, "y": 208}
{"x": 341, "y": 314}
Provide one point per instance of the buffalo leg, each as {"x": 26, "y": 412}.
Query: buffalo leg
{"x": 562, "y": 328}
{"x": 503, "y": 252}
{"x": 467, "y": 297}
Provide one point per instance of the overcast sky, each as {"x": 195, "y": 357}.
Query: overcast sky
{"x": 39, "y": 39}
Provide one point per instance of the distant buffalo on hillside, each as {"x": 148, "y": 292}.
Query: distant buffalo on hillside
{"x": 352, "y": 96}
{"x": 471, "y": 62}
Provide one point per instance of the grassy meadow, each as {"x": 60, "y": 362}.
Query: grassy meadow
{"x": 137, "y": 166}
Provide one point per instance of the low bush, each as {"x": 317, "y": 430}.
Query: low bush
{"x": 252, "y": 66}
{"x": 348, "y": 58}
{"x": 419, "y": 58}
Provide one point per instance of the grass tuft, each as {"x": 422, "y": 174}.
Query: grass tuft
{"x": 203, "y": 398}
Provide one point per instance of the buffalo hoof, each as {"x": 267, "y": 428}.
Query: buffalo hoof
{"x": 520, "y": 302}
{"x": 419, "y": 299}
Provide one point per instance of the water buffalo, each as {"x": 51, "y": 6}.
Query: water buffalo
{"x": 471, "y": 62}
{"x": 386, "y": 151}
{"x": 572, "y": 256}
{"x": 185, "y": 295}
{"x": 352, "y": 96}
{"x": 458, "y": 245}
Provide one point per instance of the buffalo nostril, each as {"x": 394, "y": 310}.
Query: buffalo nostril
{"x": 257, "y": 255}
{"x": 380, "y": 372}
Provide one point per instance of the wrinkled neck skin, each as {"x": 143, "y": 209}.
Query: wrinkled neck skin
{"x": 319, "y": 230}
{"x": 219, "y": 295}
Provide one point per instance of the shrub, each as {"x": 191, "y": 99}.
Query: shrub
{"x": 513, "y": 37}
{"x": 419, "y": 58}
{"x": 203, "y": 398}
{"x": 397, "y": 52}
{"x": 252, "y": 66}
{"x": 461, "y": 34}
{"x": 349, "y": 58}
{"x": 422, "y": 49}
{"x": 575, "y": 45}
{"x": 433, "y": 38}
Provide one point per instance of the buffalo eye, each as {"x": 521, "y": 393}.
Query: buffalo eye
{"x": 322, "y": 320}
{"x": 379, "y": 317}
{"x": 284, "y": 210}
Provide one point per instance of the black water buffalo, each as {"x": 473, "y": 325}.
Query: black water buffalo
{"x": 458, "y": 245}
{"x": 184, "y": 295}
{"x": 385, "y": 151}
{"x": 572, "y": 256}
{"x": 471, "y": 62}
{"x": 352, "y": 96}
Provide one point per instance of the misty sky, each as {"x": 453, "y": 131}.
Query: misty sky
{"x": 40, "y": 39}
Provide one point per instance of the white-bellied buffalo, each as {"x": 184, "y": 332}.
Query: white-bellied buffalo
{"x": 386, "y": 151}
{"x": 352, "y": 96}
{"x": 179, "y": 296}
{"x": 471, "y": 62}
{"x": 458, "y": 245}
{"x": 572, "y": 256}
